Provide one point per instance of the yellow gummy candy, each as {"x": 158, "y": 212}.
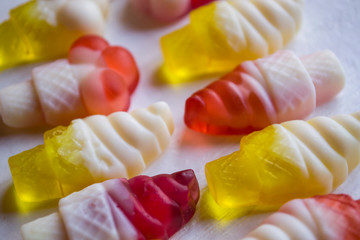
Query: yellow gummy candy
{"x": 295, "y": 159}
{"x": 93, "y": 149}
{"x": 37, "y": 31}
{"x": 48, "y": 171}
{"x": 225, "y": 33}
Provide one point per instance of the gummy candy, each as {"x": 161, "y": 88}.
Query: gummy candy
{"x": 223, "y": 34}
{"x": 167, "y": 10}
{"x": 333, "y": 216}
{"x": 140, "y": 208}
{"x": 96, "y": 79}
{"x": 41, "y": 30}
{"x": 274, "y": 89}
{"x": 91, "y": 150}
{"x": 294, "y": 159}
{"x": 199, "y": 3}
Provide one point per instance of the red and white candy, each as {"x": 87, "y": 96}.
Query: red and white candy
{"x": 330, "y": 217}
{"x": 95, "y": 79}
{"x": 140, "y": 208}
{"x": 269, "y": 90}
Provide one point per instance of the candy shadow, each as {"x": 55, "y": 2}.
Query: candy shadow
{"x": 190, "y": 137}
{"x": 12, "y": 204}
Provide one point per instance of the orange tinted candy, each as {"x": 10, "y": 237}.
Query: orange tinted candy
{"x": 105, "y": 92}
{"x": 120, "y": 60}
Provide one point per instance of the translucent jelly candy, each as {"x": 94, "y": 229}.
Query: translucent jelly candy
{"x": 167, "y": 10}
{"x": 91, "y": 150}
{"x": 223, "y": 34}
{"x": 332, "y": 217}
{"x": 42, "y": 30}
{"x": 295, "y": 159}
{"x": 140, "y": 208}
{"x": 96, "y": 79}
{"x": 258, "y": 93}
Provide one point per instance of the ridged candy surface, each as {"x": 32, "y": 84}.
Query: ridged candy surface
{"x": 41, "y": 30}
{"x": 223, "y": 34}
{"x": 140, "y": 208}
{"x": 332, "y": 217}
{"x": 295, "y": 159}
{"x": 274, "y": 89}
{"x": 92, "y": 150}
{"x": 95, "y": 79}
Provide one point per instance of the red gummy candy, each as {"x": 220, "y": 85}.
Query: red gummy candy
{"x": 226, "y": 106}
{"x": 274, "y": 89}
{"x": 199, "y": 3}
{"x": 344, "y": 205}
{"x": 157, "y": 206}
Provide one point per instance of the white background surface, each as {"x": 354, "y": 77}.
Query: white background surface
{"x": 330, "y": 24}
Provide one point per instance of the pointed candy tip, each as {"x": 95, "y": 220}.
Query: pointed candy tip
{"x": 184, "y": 177}
{"x": 188, "y": 178}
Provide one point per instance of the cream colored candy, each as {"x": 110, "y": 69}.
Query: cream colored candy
{"x": 88, "y": 16}
{"x": 295, "y": 86}
{"x": 52, "y": 96}
{"x": 121, "y": 144}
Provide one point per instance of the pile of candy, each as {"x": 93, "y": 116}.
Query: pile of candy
{"x": 94, "y": 164}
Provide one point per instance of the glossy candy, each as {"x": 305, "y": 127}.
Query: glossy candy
{"x": 223, "y": 34}
{"x": 91, "y": 150}
{"x": 41, "y": 30}
{"x": 331, "y": 217}
{"x": 274, "y": 89}
{"x": 96, "y": 79}
{"x": 295, "y": 159}
{"x": 140, "y": 208}
{"x": 167, "y": 10}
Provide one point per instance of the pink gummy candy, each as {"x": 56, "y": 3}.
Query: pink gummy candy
{"x": 108, "y": 89}
{"x": 140, "y": 208}
{"x": 258, "y": 93}
{"x": 349, "y": 210}
{"x": 95, "y": 79}
{"x": 167, "y": 10}
{"x": 331, "y": 217}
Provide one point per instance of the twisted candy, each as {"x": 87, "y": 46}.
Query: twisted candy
{"x": 96, "y": 79}
{"x": 223, "y": 34}
{"x": 331, "y": 217}
{"x": 42, "y": 30}
{"x": 167, "y": 10}
{"x": 91, "y": 150}
{"x": 140, "y": 208}
{"x": 295, "y": 159}
{"x": 256, "y": 94}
